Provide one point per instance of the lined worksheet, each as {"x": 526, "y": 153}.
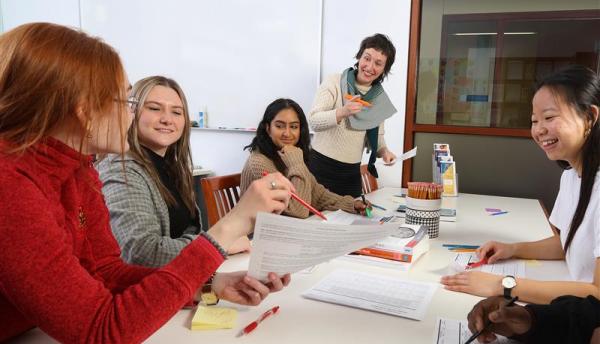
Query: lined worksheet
{"x": 374, "y": 292}
{"x": 450, "y": 331}
{"x": 513, "y": 267}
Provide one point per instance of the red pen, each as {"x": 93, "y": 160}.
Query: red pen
{"x": 303, "y": 202}
{"x": 477, "y": 264}
{"x": 253, "y": 325}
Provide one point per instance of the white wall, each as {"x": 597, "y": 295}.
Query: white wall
{"x": 231, "y": 57}
{"x": 222, "y": 151}
{"x": 345, "y": 24}
{"x": 340, "y": 42}
{"x": 17, "y": 12}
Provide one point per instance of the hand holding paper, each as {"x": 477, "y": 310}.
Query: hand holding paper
{"x": 287, "y": 245}
{"x": 407, "y": 155}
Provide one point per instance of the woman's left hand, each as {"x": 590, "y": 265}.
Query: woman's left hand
{"x": 474, "y": 283}
{"x": 388, "y": 157}
{"x": 361, "y": 207}
{"x": 238, "y": 287}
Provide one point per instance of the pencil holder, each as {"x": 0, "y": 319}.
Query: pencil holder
{"x": 424, "y": 212}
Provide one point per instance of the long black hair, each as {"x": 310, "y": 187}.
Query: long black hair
{"x": 262, "y": 141}
{"x": 579, "y": 87}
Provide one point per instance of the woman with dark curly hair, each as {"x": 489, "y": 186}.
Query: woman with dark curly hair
{"x": 348, "y": 115}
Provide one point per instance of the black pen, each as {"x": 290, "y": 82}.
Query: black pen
{"x": 367, "y": 209}
{"x": 488, "y": 323}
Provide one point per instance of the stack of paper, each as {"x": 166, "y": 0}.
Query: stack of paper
{"x": 213, "y": 318}
{"x": 374, "y": 292}
{"x": 405, "y": 244}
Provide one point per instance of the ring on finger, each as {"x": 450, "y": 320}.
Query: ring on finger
{"x": 273, "y": 185}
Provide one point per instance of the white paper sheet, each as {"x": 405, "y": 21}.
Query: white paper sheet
{"x": 450, "y": 331}
{"x": 511, "y": 267}
{"x": 411, "y": 153}
{"x": 283, "y": 244}
{"x": 407, "y": 155}
{"x": 341, "y": 217}
{"x": 373, "y": 292}
{"x": 375, "y": 261}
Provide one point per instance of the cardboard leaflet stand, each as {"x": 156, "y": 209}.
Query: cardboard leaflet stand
{"x": 444, "y": 169}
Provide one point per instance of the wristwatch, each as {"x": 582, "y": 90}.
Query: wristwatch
{"x": 508, "y": 283}
{"x": 207, "y": 294}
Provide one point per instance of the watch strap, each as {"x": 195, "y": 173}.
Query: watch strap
{"x": 208, "y": 296}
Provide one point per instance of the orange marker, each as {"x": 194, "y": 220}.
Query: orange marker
{"x": 358, "y": 100}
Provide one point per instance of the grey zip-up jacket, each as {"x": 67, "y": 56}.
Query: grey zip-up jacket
{"x": 139, "y": 216}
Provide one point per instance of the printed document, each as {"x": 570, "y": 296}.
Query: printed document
{"x": 511, "y": 267}
{"x": 284, "y": 244}
{"x": 390, "y": 295}
{"x": 449, "y": 331}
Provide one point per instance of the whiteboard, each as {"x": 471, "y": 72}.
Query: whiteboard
{"x": 17, "y": 12}
{"x": 232, "y": 57}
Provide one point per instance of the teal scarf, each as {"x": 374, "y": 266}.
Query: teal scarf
{"x": 369, "y": 118}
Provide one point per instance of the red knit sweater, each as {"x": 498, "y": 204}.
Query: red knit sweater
{"x": 60, "y": 266}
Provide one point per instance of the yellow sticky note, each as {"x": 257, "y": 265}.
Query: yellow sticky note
{"x": 533, "y": 262}
{"x": 212, "y": 318}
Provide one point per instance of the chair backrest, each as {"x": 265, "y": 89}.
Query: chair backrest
{"x": 369, "y": 183}
{"x": 221, "y": 194}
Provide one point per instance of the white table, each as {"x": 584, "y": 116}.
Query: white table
{"x": 306, "y": 321}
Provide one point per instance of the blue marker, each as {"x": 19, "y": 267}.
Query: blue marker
{"x": 499, "y": 213}
{"x": 451, "y": 246}
{"x": 378, "y": 207}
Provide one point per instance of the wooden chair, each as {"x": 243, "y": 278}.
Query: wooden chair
{"x": 221, "y": 194}
{"x": 369, "y": 183}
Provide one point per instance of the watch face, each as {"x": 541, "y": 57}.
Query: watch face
{"x": 509, "y": 282}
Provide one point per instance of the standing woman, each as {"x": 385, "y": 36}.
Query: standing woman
{"x": 63, "y": 97}
{"x": 344, "y": 127}
{"x": 152, "y": 205}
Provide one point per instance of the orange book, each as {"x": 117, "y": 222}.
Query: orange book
{"x": 400, "y": 249}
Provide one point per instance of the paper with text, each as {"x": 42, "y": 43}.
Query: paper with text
{"x": 284, "y": 244}
{"x": 374, "y": 292}
{"x": 511, "y": 267}
{"x": 450, "y": 331}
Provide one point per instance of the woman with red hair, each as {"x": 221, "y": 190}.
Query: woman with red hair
{"x": 63, "y": 97}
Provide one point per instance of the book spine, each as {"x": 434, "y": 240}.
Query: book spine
{"x": 398, "y": 256}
